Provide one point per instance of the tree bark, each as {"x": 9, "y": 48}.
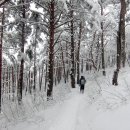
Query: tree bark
{"x": 34, "y": 87}
{"x": 78, "y": 53}
{"x": 20, "y": 85}
{"x": 120, "y": 43}
{"x": 51, "y": 49}
{"x": 102, "y": 45}
{"x": 82, "y": 65}
{"x": 63, "y": 62}
{"x": 97, "y": 61}
{"x": 41, "y": 77}
{"x": 1, "y": 42}
{"x": 46, "y": 76}
{"x": 67, "y": 63}
{"x": 122, "y": 20}
{"x": 72, "y": 74}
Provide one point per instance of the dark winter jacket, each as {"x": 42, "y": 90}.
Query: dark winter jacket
{"x": 82, "y": 80}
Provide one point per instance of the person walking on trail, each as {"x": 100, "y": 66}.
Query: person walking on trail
{"x": 82, "y": 82}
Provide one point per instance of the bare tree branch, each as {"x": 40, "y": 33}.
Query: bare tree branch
{"x": 3, "y": 2}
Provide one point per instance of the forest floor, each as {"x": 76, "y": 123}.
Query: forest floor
{"x": 101, "y": 107}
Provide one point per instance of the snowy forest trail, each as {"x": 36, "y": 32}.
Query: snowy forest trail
{"x": 79, "y": 111}
{"x": 69, "y": 114}
{"x": 70, "y": 117}
{"x": 73, "y": 114}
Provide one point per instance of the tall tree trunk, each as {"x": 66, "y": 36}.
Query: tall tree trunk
{"x": 34, "y": 87}
{"x": 118, "y": 64}
{"x": 29, "y": 82}
{"x": 20, "y": 85}
{"x": 120, "y": 43}
{"x": 13, "y": 83}
{"x": 67, "y": 63}
{"x": 78, "y": 52}
{"x": 102, "y": 45}
{"x": 63, "y": 62}
{"x": 35, "y": 45}
{"x": 41, "y": 77}
{"x": 1, "y": 42}
{"x": 51, "y": 50}
{"x": 82, "y": 66}
{"x": 46, "y": 76}
{"x": 97, "y": 61}
{"x": 9, "y": 81}
{"x": 72, "y": 74}
{"x": 122, "y": 19}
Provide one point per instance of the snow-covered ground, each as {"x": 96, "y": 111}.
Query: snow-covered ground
{"x": 101, "y": 107}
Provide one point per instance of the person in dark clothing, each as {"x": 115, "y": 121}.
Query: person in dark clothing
{"x": 82, "y": 82}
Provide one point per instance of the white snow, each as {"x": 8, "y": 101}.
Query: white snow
{"x": 105, "y": 109}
